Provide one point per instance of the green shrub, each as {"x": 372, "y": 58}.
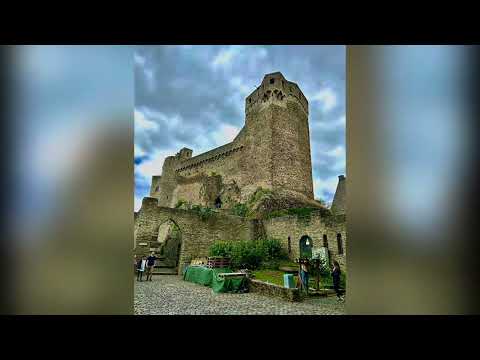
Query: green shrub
{"x": 325, "y": 268}
{"x": 272, "y": 249}
{"x": 221, "y": 248}
{"x": 203, "y": 212}
{"x": 239, "y": 209}
{"x": 259, "y": 194}
{"x": 250, "y": 254}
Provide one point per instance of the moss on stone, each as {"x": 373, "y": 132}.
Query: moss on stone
{"x": 302, "y": 214}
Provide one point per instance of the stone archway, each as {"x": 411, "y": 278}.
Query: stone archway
{"x": 169, "y": 241}
{"x": 196, "y": 234}
{"x": 305, "y": 245}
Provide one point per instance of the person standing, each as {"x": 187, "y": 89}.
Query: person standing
{"x": 135, "y": 264}
{"x": 141, "y": 268}
{"x": 336, "y": 272}
{"x": 304, "y": 274}
{"x": 150, "y": 265}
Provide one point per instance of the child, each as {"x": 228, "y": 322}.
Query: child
{"x": 141, "y": 268}
{"x": 336, "y": 280}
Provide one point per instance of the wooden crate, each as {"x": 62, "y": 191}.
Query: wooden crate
{"x": 199, "y": 261}
{"x": 218, "y": 262}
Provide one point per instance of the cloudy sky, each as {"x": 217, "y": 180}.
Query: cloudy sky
{"x": 193, "y": 96}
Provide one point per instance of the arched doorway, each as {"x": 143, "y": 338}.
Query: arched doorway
{"x": 218, "y": 203}
{"x": 305, "y": 246}
{"x": 170, "y": 241}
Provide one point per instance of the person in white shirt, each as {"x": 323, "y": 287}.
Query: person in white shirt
{"x": 141, "y": 268}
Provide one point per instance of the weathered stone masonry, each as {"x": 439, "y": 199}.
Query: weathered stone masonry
{"x": 272, "y": 151}
{"x": 196, "y": 234}
{"x": 315, "y": 227}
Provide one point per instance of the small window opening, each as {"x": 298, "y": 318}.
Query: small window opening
{"x": 272, "y": 81}
{"x": 339, "y": 244}
{"x": 289, "y": 245}
{"x": 325, "y": 241}
{"x": 218, "y": 203}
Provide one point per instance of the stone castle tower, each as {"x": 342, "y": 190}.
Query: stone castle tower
{"x": 271, "y": 151}
{"x": 339, "y": 200}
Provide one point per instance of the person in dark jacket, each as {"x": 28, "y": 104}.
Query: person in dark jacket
{"x": 150, "y": 265}
{"x": 336, "y": 272}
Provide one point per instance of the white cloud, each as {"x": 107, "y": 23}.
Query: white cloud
{"x": 171, "y": 122}
{"x": 138, "y": 151}
{"x": 251, "y": 58}
{"x": 239, "y": 86}
{"x": 323, "y": 186}
{"x": 331, "y": 125}
{"x": 150, "y": 77}
{"x": 138, "y": 203}
{"x": 225, "y": 56}
{"x": 149, "y": 168}
{"x": 143, "y": 124}
{"x": 225, "y": 134}
{"x": 327, "y": 99}
{"x": 338, "y": 151}
{"x": 339, "y": 165}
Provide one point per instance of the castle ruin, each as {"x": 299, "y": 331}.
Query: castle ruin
{"x": 271, "y": 152}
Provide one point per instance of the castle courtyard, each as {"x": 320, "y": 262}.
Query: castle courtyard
{"x": 170, "y": 295}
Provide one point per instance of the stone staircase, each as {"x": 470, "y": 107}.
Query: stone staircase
{"x": 164, "y": 266}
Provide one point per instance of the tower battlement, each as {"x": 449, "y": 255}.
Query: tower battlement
{"x": 275, "y": 89}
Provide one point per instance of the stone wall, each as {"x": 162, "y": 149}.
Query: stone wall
{"x": 316, "y": 227}
{"x": 197, "y": 235}
{"x": 202, "y": 183}
{"x": 292, "y": 168}
{"x": 273, "y": 290}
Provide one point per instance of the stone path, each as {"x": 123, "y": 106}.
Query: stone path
{"x": 170, "y": 295}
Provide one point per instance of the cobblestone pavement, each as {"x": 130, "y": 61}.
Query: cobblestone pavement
{"x": 170, "y": 295}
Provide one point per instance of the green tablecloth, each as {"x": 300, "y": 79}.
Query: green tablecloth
{"x": 209, "y": 277}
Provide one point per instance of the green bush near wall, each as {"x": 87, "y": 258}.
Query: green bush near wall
{"x": 249, "y": 254}
{"x": 301, "y": 213}
{"x": 239, "y": 209}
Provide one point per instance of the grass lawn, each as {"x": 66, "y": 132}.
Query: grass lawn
{"x": 270, "y": 276}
